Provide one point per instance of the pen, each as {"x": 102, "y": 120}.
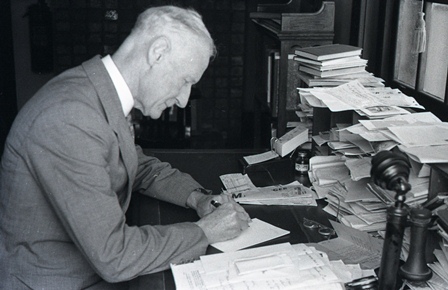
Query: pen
{"x": 215, "y": 203}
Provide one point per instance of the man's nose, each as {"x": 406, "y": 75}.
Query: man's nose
{"x": 182, "y": 99}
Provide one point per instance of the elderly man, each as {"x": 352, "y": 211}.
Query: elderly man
{"x": 70, "y": 165}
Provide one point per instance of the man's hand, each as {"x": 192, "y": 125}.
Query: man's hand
{"x": 219, "y": 223}
{"x": 224, "y": 222}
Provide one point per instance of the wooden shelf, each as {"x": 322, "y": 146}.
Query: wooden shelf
{"x": 286, "y": 32}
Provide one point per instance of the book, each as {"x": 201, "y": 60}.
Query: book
{"x": 332, "y": 73}
{"x": 365, "y": 79}
{"x": 329, "y": 62}
{"x": 360, "y": 62}
{"x": 330, "y": 51}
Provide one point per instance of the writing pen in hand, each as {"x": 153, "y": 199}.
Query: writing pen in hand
{"x": 217, "y": 204}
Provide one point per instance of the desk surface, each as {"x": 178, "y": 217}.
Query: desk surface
{"x": 206, "y": 166}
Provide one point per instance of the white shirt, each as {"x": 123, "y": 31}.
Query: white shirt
{"x": 123, "y": 91}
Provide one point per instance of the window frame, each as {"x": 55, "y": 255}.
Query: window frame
{"x": 437, "y": 107}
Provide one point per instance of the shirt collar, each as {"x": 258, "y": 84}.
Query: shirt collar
{"x": 123, "y": 91}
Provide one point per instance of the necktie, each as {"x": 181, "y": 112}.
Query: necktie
{"x": 131, "y": 125}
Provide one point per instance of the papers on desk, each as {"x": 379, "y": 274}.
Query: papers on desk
{"x": 237, "y": 182}
{"x": 425, "y": 155}
{"x": 412, "y": 133}
{"x": 345, "y": 183}
{"x": 354, "y": 96}
{"x": 354, "y": 247}
{"x": 281, "y": 266}
{"x": 388, "y": 125}
{"x": 258, "y": 232}
{"x": 243, "y": 191}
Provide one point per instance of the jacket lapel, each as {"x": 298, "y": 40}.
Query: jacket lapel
{"x": 114, "y": 113}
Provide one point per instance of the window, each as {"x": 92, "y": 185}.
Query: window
{"x": 423, "y": 75}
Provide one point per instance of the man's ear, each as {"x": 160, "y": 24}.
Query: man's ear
{"x": 158, "y": 49}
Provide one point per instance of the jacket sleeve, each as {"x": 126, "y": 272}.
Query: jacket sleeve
{"x": 69, "y": 154}
{"x": 159, "y": 180}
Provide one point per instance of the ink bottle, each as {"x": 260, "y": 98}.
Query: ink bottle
{"x": 301, "y": 163}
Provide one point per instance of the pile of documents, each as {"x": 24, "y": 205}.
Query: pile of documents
{"x": 369, "y": 102}
{"x": 373, "y": 104}
{"x": 422, "y": 136}
{"x": 346, "y": 184}
{"x": 333, "y": 65}
{"x": 281, "y": 266}
{"x": 243, "y": 191}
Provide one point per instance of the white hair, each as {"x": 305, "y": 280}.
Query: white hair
{"x": 155, "y": 20}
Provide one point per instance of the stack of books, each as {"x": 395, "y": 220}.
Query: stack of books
{"x": 333, "y": 65}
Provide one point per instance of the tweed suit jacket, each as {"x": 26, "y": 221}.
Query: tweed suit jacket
{"x": 67, "y": 174}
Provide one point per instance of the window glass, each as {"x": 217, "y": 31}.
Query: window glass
{"x": 405, "y": 67}
{"x": 435, "y": 58}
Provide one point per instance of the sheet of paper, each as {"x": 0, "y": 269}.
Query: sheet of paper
{"x": 262, "y": 263}
{"x": 355, "y": 246}
{"x": 262, "y": 157}
{"x": 394, "y": 97}
{"x": 376, "y": 136}
{"x": 359, "y": 168}
{"x": 360, "y": 142}
{"x": 412, "y": 136}
{"x": 220, "y": 262}
{"x": 258, "y": 232}
{"x": 425, "y": 154}
{"x": 348, "y": 96}
{"x": 188, "y": 276}
{"x": 237, "y": 182}
{"x": 289, "y": 194}
{"x": 358, "y": 191}
{"x": 296, "y": 201}
{"x": 383, "y": 111}
{"x": 424, "y": 117}
{"x": 331, "y": 174}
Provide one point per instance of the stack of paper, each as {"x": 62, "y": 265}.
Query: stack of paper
{"x": 282, "y": 266}
{"x": 354, "y": 205}
{"x": 411, "y": 133}
{"x": 370, "y": 102}
{"x": 345, "y": 183}
{"x": 333, "y": 65}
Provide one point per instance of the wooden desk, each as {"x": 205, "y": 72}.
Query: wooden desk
{"x": 206, "y": 166}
